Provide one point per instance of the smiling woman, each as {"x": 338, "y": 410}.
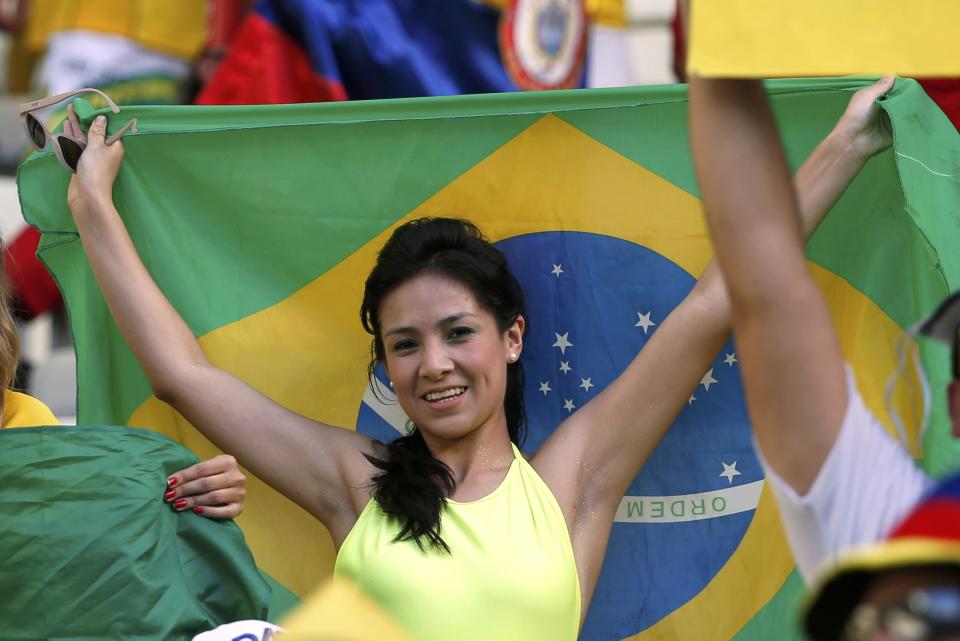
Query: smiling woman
{"x": 454, "y": 531}
{"x": 446, "y": 315}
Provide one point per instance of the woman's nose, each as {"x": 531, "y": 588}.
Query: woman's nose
{"x": 436, "y": 361}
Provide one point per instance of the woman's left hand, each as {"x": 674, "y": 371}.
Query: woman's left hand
{"x": 214, "y": 488}
{"x": 863, "y": 124}
{"x": 98, "y": 166}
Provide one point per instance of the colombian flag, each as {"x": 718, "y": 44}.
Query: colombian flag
{"x": 320, "y": 50}
{"x": 260, "y": 224}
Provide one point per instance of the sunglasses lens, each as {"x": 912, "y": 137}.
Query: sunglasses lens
{"x": 70, "y": 151}
{"x": 38, "y": 136}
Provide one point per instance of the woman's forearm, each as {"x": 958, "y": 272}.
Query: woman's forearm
{"x": 824, "y": 176}
{"x": 161, "y": 340}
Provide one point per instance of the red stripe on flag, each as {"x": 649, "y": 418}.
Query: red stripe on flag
{"x": 265, "y": 66}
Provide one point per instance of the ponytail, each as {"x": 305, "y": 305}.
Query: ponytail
{"x": 412, "y": 486}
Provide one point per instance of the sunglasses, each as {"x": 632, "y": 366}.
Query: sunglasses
{"x": 927, "y": 614}
{"x": 66, "y": 148}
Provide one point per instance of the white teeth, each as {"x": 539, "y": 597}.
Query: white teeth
{"x": 437, "y": 396}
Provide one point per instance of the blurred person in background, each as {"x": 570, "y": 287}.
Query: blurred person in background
{"x": 906, "y": 588}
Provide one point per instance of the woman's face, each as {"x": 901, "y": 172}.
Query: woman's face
{"x": 446, "y": 357}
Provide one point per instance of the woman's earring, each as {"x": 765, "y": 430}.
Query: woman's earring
{"x": 390, "y": 383}
{"x": 513, "y": 357}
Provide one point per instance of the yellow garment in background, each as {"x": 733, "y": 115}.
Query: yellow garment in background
{"x": 20, "y": 410}
{"x": 746, "y": 38}
{"x": 175, "y": 27}
{"x": 340, "y": 611}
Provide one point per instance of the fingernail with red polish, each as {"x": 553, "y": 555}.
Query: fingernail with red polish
{"x": 172, "y": 481}
{"x": 179, "y": 504}
{"x": 198, "y": 510}
{"x": 169, "y": 495}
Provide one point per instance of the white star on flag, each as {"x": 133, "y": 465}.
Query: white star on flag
{"x": 544, "y": 387}
{"x": 565, "y": 366}
{"x": 729, "y": 471}
{"x": 586, "y": 384}
{"x": 731, "y": 359}
{"x": 691, "y": 399}
{"x": 557, "y": 270}
{"x": 708, "y": 379}
{"x": 568, "y": 405}
{"x": 644, "y": 321}
{"x": 562, "y": 342}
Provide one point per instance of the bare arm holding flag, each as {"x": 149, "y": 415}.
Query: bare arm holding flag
{"x": 309, "y": 462}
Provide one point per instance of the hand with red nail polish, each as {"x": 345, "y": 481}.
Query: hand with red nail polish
{"x": 215, "y": 488}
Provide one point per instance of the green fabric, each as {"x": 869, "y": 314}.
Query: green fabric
{"x": 91, "y": 551}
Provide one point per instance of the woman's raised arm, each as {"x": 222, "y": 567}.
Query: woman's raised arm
{"x": 318, "y": 466}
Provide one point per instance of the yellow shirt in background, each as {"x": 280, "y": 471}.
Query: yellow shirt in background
{"x": 175, "y": 27}
{"x": 20, "y": 410}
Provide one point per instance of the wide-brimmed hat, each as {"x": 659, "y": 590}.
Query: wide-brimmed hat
{"x": 928, "y": 537}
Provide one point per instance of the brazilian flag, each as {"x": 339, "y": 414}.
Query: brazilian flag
{"x": 260, "y": 224}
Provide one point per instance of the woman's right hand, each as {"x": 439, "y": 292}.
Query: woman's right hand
{"x": 98, "y": 166}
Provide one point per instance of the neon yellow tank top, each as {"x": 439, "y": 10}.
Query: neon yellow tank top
{"x": 510, "y": 574}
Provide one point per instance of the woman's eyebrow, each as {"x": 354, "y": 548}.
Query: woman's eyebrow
{"x": 399, "y": 330}
{"x": 453, "y": 318}
{"x": 443, "y": 322}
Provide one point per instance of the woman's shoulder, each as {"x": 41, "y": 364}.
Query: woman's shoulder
{"x": 22, "y": 410}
